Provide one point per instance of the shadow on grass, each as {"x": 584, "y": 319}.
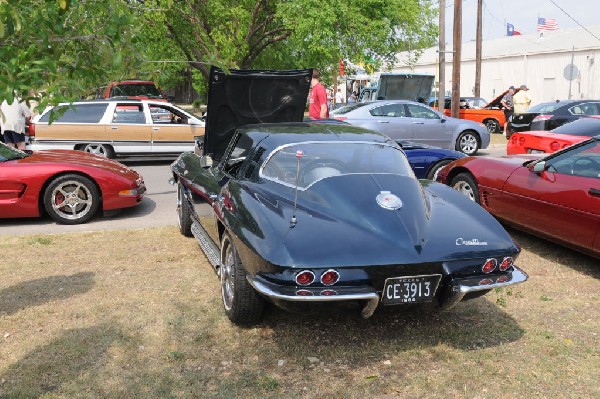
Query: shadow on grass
{"x": 556, "y": 253}
{"x": 67, "y": 358}
{"x": 472, "y": 325}
{"x": 43, "y": 290}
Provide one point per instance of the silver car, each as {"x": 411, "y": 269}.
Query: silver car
{"x": 409, "y": 120}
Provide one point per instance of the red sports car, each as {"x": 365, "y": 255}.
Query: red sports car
{"x": 556, "y": 197}
{"x": 70, "y": 186}
{"x": 542, "y": 141}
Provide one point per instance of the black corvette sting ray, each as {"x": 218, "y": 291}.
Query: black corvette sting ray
{"x": 306, "y": 215}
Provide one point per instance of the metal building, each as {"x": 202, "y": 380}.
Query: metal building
{"x": 553, "y": 65}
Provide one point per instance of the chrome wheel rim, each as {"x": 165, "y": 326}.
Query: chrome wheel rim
{"x": 227, "y": 276}
{"x": 492, "y": 126}
{"x": 96, "y": 149}
{"x": 71, "y": 200}
{"x": 468, "y": 143}
{"x": 464, "y": 188}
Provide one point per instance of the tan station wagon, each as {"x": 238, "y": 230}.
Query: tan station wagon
{"x": 114, "y": 128}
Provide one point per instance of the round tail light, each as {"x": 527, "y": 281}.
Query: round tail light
{"x": 330, "y": 277}
{"x": 305, "y": 277}
{"x": 489, "y": 266}
{"x": 554, "y": 146}
{"x": 521, "y": 141}
{"x": 506, "y": 264}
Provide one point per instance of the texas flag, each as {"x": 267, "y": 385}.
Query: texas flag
{"x": 510, "y": 30}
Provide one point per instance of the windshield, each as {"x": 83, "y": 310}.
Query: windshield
{"x": 136, "y": 90}
{"x": 8, "y": 153}
{"x": 321, "y": 160}
{"x": 580, "y": 127}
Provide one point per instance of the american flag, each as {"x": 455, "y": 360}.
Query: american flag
{"x": 546, "y": 24}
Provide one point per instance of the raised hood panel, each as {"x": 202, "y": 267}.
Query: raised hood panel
{"x": 405, "y": 87}
{"x": 243, "y": 97}
{"x": 340, "y": 223}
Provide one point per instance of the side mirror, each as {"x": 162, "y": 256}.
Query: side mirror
{"x": 538, "y": 167}
{"x": 443, "y": 120}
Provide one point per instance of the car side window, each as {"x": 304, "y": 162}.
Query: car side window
{"x": 238, "y": 154}
{"x": 163, "y": 114}
{"x": 128, "y": 113}
{"x": 390, "y": 110}
{"x": 583, "y": 161}
{"x": 418, "y": 111}
{"x": 78, "y": 113}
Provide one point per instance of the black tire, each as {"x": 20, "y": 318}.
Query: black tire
{"x": 435, "y": 169}
{"x": 468, "y": 142}
{"x": 241, "y": 302}
{"x": 71, "y": 199}
{"x": 102, "y": 150}
{"x": 492, "y": 125}
{"x": 183, "y": 212}
{"x": 465, "y": 183}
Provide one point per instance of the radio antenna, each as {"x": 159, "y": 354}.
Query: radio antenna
{"x": 299, "y": 155}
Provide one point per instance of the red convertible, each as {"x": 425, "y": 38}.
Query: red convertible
{"x": 69, "y": 186}
{"x": 556, "y": 197}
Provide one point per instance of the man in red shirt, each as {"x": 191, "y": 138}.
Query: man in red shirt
{"x": 317, "y": 107}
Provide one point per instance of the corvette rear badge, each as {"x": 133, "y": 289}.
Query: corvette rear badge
{"x": 387, "y": 200}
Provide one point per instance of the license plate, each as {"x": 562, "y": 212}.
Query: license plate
{"x": 530, "y": 151}
{"x": 413, "y": 289}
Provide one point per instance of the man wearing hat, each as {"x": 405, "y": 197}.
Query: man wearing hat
{"x": 522, "y": 100}
{"x": 507, "y": 106}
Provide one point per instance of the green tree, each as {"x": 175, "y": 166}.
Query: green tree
{"x": 61, "y": 48}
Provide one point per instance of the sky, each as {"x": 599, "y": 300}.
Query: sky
{"x": 522, "y": 14}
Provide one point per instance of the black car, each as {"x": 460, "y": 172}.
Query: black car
{"x": 308, "y": 215}
{"x": 547, "y": 116}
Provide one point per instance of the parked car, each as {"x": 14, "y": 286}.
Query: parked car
{"x": 490, "y": 114}
{"x": 547, "y": 116}
{"x": 399, "y": 86}
{"x": 541, "y": 141}
{"x": 317, "y": 214}
{"x": 134, "y": 89}
{"x": 556, "y": 197}
{"x": 69, "y": 186}
{"x": 425, "y": 160}
{"x": 113, "y": 128}
{"x": 408, "y": 120}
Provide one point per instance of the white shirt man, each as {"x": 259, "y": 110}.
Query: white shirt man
{"x": 339, "y": 98}
{"x": 13, "y": 120}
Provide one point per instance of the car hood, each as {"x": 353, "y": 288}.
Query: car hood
{"x": 76, "y": 159}
{"x": 495, "y": 103}
{"x": 339, "y": 225}
{"x": 405, "y": 87}
{"x": 243, "y": 97}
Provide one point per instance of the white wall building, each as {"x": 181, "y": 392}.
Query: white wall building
{"x": 543, "y": 63}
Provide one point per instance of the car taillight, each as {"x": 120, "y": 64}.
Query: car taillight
{"x": 489, "y": 265}
{"x": 32, "y": 130}
{"x": 554, "y": 146}
{"x": 521, "y": 141}
{"x": 486, "y": 281}
{"x": 304, "y": 293}
{"x": 330, "y": 277}
{"x": 513, "y": 139}
{"x": 305, "y": 277}
{"x": 506, "y": 264}
{"x": 541, "y": 118}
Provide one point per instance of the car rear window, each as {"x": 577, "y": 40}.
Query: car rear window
{"x": 347, "y": 108}
{"x": 546, "y": 107}
{"x": 581, "y": 127}
{"x": 77, "y": 113}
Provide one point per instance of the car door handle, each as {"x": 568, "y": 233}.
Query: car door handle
{"x": 594, "y": 192}
{"x": 155, "y": 128}
{"x": 114, "y": 127}
{"x": 383, "y": 121}
{"x": 419, "y": 123}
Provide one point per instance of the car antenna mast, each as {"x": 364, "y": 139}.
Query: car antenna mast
{"x": 299, "y": 155}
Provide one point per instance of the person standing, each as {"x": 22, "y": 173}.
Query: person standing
{"x": 339, "y": 98}
{"x": 507, "y": 106}
{"x": 317, "y": 107}
{"x": 522, "y": 100}
{"x": 13, "y": 120}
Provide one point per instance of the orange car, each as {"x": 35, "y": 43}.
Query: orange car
{"x": 491, "y": 115}
{"x": 544, "y": 141}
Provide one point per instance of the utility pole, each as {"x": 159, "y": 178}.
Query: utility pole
{"x": 442, "y": 55}
{"x": 478, "y": 40}
{"x": 457, "y": 47}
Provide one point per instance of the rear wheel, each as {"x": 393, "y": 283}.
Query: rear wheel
{"x": 183, "y": 212}
{"x": 71, "y": 199}
{"x": 465, "y": 183}
{"x": 242, "y": 303}
{"x": 102, "y": 150}
{"x": 435, "y": 169}
{"x": 493, "y": 126}
{"x": 468, "y": 143}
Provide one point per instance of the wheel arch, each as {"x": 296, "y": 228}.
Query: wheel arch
{"x": 49, "y": 179}
{"x": 491, "y": 118}
{"x": 456, "y": 171}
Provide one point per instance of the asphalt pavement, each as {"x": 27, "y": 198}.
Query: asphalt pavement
{"x": 156, "y": 210}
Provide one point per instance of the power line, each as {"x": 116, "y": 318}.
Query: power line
{"x": 576, "y": 21}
